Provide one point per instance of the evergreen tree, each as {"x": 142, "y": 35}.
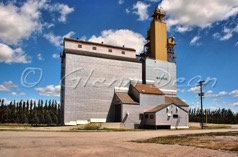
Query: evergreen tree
{"x": 41, "y": 118}
{"x": 48, "y": 119}
{"x": 24, "y": 119}
{"x": 35, "y": 119}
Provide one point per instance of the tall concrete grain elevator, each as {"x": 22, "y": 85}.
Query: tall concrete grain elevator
{"x": 106, "y": 83}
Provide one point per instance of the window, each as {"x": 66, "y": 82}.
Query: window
{"x": 146, "y": 116}
{"x": 79, "y": 46}
{"x": 151, "y": 116}
{"x": 110, "y": 50}
{"x": 177, "y": 109}
{"x": 141, "y": 116}
{"x": 175, "y": 115}
{"x": 123, "y": 52}
{"x": 167, "y": 109}
{"x": 94, "y": 48}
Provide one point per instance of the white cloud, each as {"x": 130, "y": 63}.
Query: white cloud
{"x": 7, "y": 86}
{"x": 121, "y": 1}
{"x": 181, "y": 90}
{"x": 128, "y": 10}
{"x": 56, "y": 55}
{"x": 182, "y": 29}
{"x": 57, "y": 40}
{"x": 5, "y": 100}
{"x": 236, "y": 43}
{"x": 235, "y": 104}
{"x": 121, "y": 37}
{"x": 3, "y": 88}
{"x": 227, "y": 34}
{"x": 210, "y": 94}
{"x": 153, "y": 1}
{"x": 25, "y": 18}
{"x": 84, "y": 38}
{"x": 63, "y": 9}
{"x": 48, "y": 25}
{"x": 49, "y": 90}
{"x": 194, "y": 89}
{"x": 60, "y": 8}
{"x": 194, "y": 41}
{"x": 21, "y": 21}
{"x": 236, "y": 29}
{"x": 223, "y": 93}
{"x": 141, "y": 9}
{"x": 39, "y": 56}
{"x": 198, "y": 13}
{"x": 9, "y": 55}
{"x": 234, "y": 93}
{"x": 17, "y": 94}
{"x": 68, "y": 35}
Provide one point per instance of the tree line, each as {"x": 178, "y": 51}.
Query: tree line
{"x": 30, "y": 112}
{"x": 218, "y": 116}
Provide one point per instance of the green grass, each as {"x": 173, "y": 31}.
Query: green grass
{"x": 218, "y": 127}
{"x": 98, "y": 127}
{"x": 207, "y": 140}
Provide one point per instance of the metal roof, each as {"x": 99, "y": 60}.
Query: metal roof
{"x": 175, "y": 100}
{"x": 158, "y": 108}
{"x": 126, "y": 99}
{"x": 148, "y": 89}
{"x": 100, "y": 55}
{"x": 100, "y": 44}
{"x": 168, "y": 101}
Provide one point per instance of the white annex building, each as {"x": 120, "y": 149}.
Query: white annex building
{"x": 106, "y": 83}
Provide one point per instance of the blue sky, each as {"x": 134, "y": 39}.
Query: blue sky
{"x": 32, "y": 31}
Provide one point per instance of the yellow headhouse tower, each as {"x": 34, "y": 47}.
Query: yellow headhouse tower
{"x": 158, "y": 59}
{"x": 158, "y": 46}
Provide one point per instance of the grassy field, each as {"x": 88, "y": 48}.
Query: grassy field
{"x": 217, "y": 141}
{"x": 94, "y": 127}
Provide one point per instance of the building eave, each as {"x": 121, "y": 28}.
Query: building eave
{"x": 99, "y": 55}
{"x": 100, "y": 44}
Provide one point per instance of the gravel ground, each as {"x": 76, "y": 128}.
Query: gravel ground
{"x": 103, "y": 144}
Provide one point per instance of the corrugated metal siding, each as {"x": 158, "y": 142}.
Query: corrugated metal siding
{"x": 90, "y": 82}
{"x": 162, "y": 117}
{"x": 162, "y": 73}
{"x": 147, "y": 101}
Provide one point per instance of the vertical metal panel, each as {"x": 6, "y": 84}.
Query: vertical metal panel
{"x": 90, "y": 82}
{"x": 162, "y": 73}
{"x": 147, "y": 101}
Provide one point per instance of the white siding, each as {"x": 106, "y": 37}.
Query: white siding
{"x": 99, "y": 49}
{"x": 163, "y": 118}
{"x": 90, "y": 83}
{"x": 163, "y": 74}
{"x": 147, "y": 101}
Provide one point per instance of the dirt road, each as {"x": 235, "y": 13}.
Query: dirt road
{"x": 98, "y": 144}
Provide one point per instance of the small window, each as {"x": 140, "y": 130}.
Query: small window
{"x": 146, "y": 116}
{"x": 79, "y": 46}
{"x": 94, "y": 48}
{"x": 175, "y": 116}
{"x": 110, "y": 50}
{"x": 141, "y": 116}
{"x": 167, "y": 109}
{"x": 123, "y": 52}
{"x": 151, "y": 116}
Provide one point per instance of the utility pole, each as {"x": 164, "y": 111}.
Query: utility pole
{"x": 201, "y": 94}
